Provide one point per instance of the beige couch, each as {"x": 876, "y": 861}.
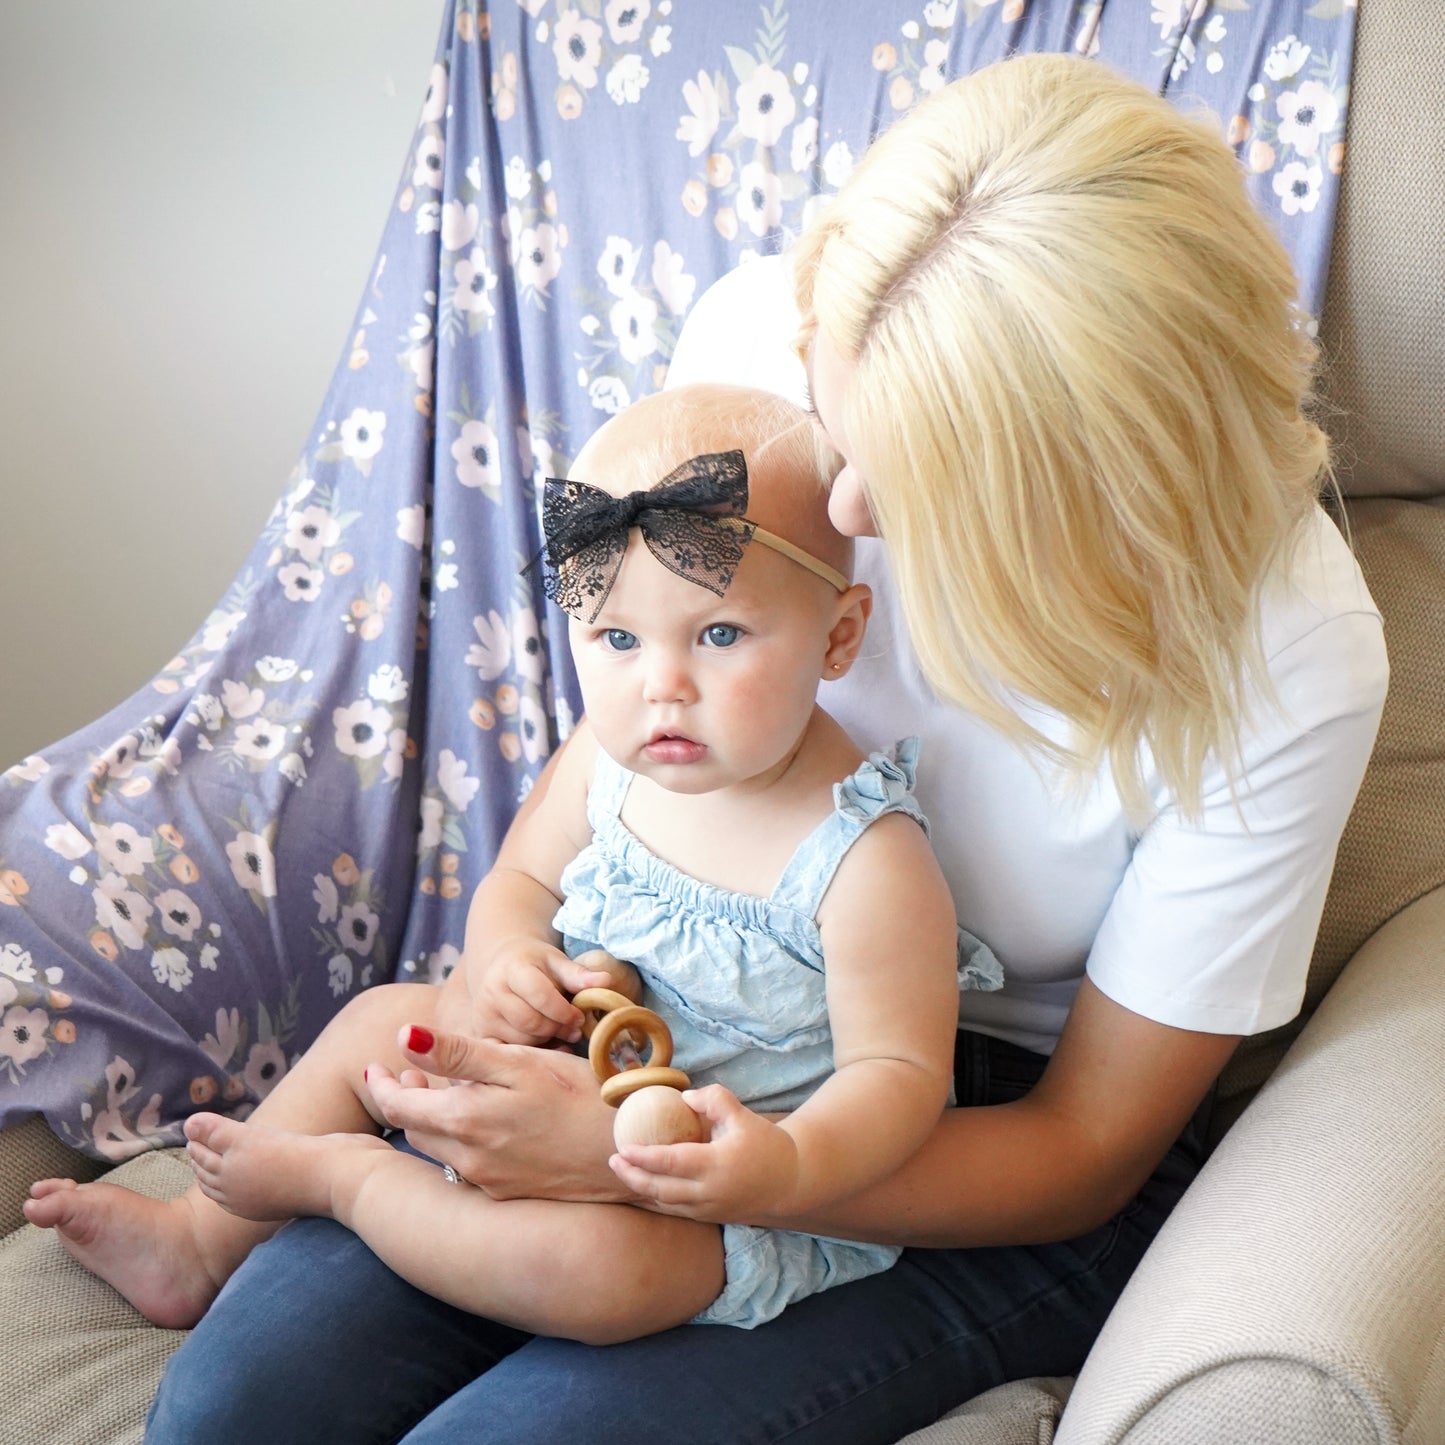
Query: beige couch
{"x": 1299, "y": 1292}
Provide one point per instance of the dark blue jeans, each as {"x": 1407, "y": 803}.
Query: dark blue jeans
{"x": 313, "y": 1339}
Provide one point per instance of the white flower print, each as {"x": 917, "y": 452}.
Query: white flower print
{"x": 837, "y": 163}
{"x": 122, "y": 910}
{"x": 459, "y": 224}
{"x": 446, "y": 577}
{"x": 527, "y": 644}
{"x": 388, "y": 684}
{"x": 661, "y": 41}
{"x": 618, "y": 265}
{"x": 121, "y": 756}
{"x": 1298, "y": 187}
{"x": 433, "y": 814}
{"x": 435, "y": 105}
{"x": 428, "y": 218}
{"x": 31, "y": 770}
{"x": 22, "y": 1034}
{"x": 491, "y": 654}
{"x": 301, "y": 582}
{"x": 475, "y": 281}
{"x": 475, "y": 452}
{"x": 16, "y": 963}
{"x": 608, "y": 394}
{"x": 538, "y": 256}
{"x": 395, "y": 758}
{"x": 672, "y": 283}
{"x": 760, "y": 198}
{"x": 633, "y": 320}
{"x": 625, "y": 19}
{"x": 766, "y": 107}
{"x": 8, "y": 993}
{"x": 532, "y": 725}
{"x": 277, "y": 669}
{"x": 311, "y": 531}
{"x": 252, "y": 864}
{"x": 220, "y": 1047}
{"x": 1165, "y": 14}
{"x": 577, "y": 44}
{"x": 458, "y": 789}
{"x": 209, "y": 954}
{"x": 361, "y": 729}
{"x": 219, "y": 628}
{"x": 178, "y": 914}
{"x": 172, "y": 968}
{"x": 260, "y": 740}
{"x": 122, "y": 848}
{"x": 1286, "y": 59}
{"x": 940, "y": 14}
{"x": 328, "y": 900}
{"x": 265, "y": 1066}
{"x": 67, "y": 840}
{"x": 627, "y": 80}
{"x": 517, "y": 179}
{"x": 361, "y": 434}
{"x": 411, "y": 525}
{"x": 339, "y": 974}
{"x": 1305, "y": 115}
{"x": 804, "y": 150}
{"x": 357, "y": 928}
{"x": 428, "y": 168}
{"x": 241, "y": 701}
{"x": 293, "y": 768}
{"x": 209, "y": 711}
{"x": 699, "y": 125}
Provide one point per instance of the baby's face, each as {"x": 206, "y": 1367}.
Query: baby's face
{"x": 700, "y": 692}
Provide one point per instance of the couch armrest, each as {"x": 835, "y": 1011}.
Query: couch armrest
{"x": 1298, "y": 1292}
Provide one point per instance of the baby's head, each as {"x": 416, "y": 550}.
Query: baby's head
{"x": 787, "y": 470}
{"x": 705, "y": 641}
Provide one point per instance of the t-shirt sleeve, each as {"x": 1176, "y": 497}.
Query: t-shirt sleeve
{"x": 1213, "y": 924}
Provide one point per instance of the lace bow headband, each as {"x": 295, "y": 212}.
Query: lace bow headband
{"x": 692, "y": 521}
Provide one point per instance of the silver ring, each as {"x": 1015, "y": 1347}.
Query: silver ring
{"x": 451, "y": 1175}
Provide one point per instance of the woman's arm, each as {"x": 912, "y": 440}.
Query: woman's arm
{"x": 1062, "y": 1160}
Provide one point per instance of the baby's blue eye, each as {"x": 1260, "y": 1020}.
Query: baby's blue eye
{"x": 619, "y": 640}
{"x": 722, "y": 634}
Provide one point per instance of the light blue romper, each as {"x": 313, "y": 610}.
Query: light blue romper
{"x": 739, "y": 981}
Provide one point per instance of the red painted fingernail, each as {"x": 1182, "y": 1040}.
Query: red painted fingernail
{"x": 420, "y": 1040}
{"x": 366, "y": 1076}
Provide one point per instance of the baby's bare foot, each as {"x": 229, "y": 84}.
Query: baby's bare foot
{"x": 148, "y": 1249}
{"x": 259, "y": 1172}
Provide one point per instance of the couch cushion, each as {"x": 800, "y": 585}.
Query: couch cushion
{"x": 1383, "y": 327}
{"x": 81, "y": 1364}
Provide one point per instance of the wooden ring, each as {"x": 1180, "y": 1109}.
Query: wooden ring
{"x": 629, "y": 1081}
{"x": 595, "y": 1002}
{"x": 633, "y": 1019}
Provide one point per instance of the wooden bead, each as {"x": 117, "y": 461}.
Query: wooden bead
{"x": 657, "y": 1114}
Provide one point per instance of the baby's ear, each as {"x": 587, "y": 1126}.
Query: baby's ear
{"x": 850, "y": 623}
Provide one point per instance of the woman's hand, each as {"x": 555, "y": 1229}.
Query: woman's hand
{"x": 748, "y": 1168}
{"x": 517, "y": 1121}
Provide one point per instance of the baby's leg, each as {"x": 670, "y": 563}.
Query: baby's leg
{"x": 598, "y": 1273}
{"x": 170, "y": 1258}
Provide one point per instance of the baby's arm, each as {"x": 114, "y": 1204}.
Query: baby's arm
{"x": 890, "y": 948}
{"x": 513, "y": 977}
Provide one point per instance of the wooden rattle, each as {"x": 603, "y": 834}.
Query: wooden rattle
{"x": 647, "y": 1097}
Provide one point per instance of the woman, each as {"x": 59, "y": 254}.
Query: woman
{"x": 1058, "y": 352}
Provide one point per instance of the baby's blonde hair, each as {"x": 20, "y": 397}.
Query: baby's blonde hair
{"x": 1078, "y": 407}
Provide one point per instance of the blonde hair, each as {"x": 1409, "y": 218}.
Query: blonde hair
{"x": 1077, "y": 405}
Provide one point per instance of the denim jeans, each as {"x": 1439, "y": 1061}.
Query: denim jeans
{"x": 314, "y": 1340}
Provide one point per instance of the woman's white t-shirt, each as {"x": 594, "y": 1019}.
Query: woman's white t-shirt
{"x": 1204, "y": 924}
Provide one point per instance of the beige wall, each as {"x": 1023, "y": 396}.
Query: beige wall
{"x": 192, "y": 194}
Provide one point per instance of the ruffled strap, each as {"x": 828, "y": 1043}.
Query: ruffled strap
{"x": 883, "y": 783}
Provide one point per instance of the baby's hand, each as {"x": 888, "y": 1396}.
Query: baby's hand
{"x": 747, "y": 1170}
{"x": 523, "y": 997}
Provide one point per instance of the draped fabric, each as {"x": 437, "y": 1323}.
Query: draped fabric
{"x": 299, "y": 805}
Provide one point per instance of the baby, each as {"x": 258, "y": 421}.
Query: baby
{"x": 706, "y": 821}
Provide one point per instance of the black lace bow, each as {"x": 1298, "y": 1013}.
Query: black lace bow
{"x": 691, "y": 521}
